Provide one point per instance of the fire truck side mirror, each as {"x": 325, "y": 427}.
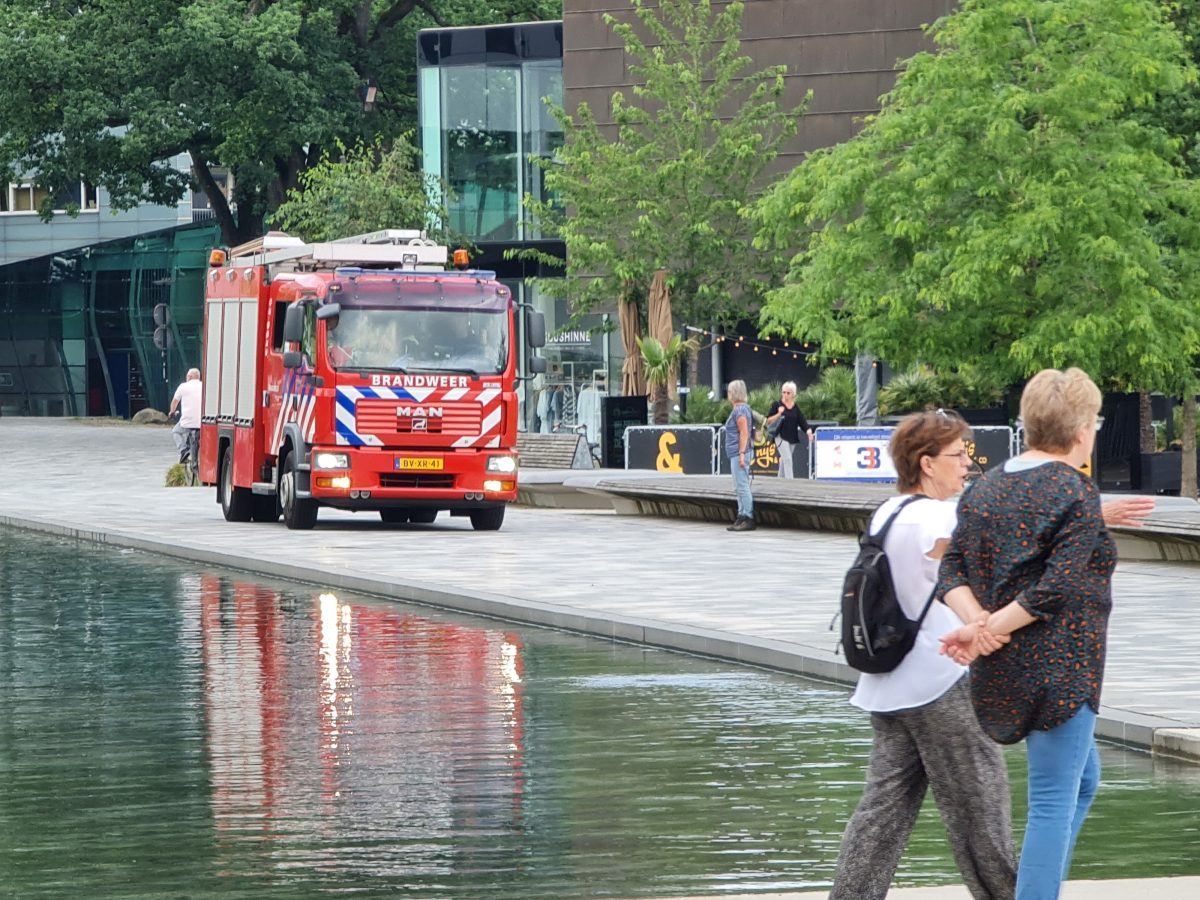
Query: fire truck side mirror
{"x": 328, "y": 311}
{"x": 535, "y": 328}
{"x": 292, "y": 359}
{"x": 293, "y": 324}
{"x": 537, "y": 365}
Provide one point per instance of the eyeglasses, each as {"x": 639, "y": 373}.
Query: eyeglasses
{"x": 961, "y": 455}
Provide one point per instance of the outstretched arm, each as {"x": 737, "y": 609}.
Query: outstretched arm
{"x": 1128, "y": 512}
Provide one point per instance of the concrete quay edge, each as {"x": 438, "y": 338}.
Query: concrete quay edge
{"x": 1118, "y": 726}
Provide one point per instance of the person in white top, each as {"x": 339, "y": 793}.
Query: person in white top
{"x": 187, "y": 400}
{"x": 925, "y": 731}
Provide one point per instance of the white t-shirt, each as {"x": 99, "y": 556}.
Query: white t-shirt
{"x": 188, "y": 395}
{"x": 924, "y": 674}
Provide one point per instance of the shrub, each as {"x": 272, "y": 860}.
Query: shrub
{"x": 703, "y": 409}
{"x": 921, "y": 387}
{"x": 910, "y": 391}
{"x": 832, "y": 396}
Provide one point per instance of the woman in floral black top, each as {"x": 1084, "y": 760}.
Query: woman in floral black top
{"x": 1030, "y": 570}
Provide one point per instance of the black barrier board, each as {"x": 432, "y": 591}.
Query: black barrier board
{"x": 990, "y": 446}
{"x": 766, "y": 458}
{"x": 617, "y": 414}
{"x": 666, "y": 448}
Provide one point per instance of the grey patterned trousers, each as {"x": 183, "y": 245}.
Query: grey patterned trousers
{"x": 940, "y": 746}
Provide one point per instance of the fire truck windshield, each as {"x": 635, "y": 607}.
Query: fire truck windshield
{"x": 471, "y": 340}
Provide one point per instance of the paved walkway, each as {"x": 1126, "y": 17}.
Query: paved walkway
{"x": 1123, "y": 889}
{"x": 764, "y": 597}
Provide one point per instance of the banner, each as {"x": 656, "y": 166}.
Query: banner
{"x": 686, "y": 449}
{"x": 990, "y": 445}
{"x": 853, "y": 454}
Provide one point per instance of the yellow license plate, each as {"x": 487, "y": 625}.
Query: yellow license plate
{"x": 424, "y": 463}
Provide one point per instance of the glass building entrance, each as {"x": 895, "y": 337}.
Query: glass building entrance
{"x": 484, "y": 117}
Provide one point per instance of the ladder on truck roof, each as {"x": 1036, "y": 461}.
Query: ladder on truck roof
{"x": 392, "y": 248}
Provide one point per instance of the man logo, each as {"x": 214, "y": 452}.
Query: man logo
{"x": 424, "y": 412}
{"x": 420, "y": 424}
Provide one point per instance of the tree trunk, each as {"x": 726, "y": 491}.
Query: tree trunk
{"x": 230, "y": 234}
{"x": 1187, "y": 477}
{"x": 1145, "y": 423}
{"x": 662, "y": 404}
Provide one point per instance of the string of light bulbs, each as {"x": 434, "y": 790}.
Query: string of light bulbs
{"x": 801, "y": 348}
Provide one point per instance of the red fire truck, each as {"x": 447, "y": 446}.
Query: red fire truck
{"x": 360, "y": 374}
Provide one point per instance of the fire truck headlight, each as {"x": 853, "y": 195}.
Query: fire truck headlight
{"x": 505, "y": 465}
{"x": 331, "y": 461}
{"x": 497, "y": 486}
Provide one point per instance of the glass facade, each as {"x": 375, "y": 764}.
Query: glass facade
{"x": 482, "y": 94}
{"x": 484, "y": 120}
{"x": 80, "y": 326}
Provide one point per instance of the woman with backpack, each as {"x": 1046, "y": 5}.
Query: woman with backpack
{"x": 925, "y": 731}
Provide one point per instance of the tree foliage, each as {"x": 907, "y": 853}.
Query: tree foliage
{"x": 109, "y": 91}
{"x": 1010, "y": 207}
{"x": 364, "y": 188}
{"x": 664, "y": 191}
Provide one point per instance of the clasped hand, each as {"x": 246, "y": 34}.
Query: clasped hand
{"x": 970, "y": 641}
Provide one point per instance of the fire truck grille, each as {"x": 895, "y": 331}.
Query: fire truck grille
{"x": 387, "y": 417}
{"x": 414, "y": 480}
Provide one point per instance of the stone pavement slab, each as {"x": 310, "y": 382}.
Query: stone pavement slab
{"x": 764, "y": 597}
{"x": 1117, "y": 889}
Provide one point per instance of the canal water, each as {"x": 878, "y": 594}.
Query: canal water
{"x": 168, "y": 731}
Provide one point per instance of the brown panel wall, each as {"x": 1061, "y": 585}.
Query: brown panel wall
{"x": 845, "y": 51}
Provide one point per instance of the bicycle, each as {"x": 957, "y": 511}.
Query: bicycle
{"x": 191, "y": 460}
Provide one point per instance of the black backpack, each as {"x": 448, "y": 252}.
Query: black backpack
{"x": 876, "y": 634}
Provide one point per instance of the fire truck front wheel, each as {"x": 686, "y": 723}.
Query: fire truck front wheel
{"x": 235, "y": 501}
{"x": 487, "y": 519}
{"x": 298, "y": 513}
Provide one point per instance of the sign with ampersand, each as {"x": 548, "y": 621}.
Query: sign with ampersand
{"x": 686, "y": 449}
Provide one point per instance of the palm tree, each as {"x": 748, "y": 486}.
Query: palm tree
{"x": 661, "y": 363}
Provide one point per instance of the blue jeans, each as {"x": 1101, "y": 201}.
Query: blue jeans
{"x": 741, "y": 485}
{"x": 1064, "y": 773}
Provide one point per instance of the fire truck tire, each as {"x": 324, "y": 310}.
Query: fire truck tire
{"x": 422, "y": 516}
{"x": 487, "y": 519}
{"x": 235, "y": 501}
{"x": 298, "y": 514}
{"x": 264, "y": 508}
{"x": 394, "y": 516}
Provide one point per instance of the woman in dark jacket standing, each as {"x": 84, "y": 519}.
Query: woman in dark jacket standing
{"x": 1031, "y": 559}
{"x": 785, "y": 416}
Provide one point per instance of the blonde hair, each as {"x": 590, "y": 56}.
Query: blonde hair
{"x": 736, "y": 391}
{"x": 788, "y": 386}
{"x": 1055, "y": 405}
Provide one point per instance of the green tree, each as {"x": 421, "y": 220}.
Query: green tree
{"x": 111, "y": 91}
{"x": 664, "y": 190}
{"x": 364, "y": 188}
{"x": 662, "y": 362}
{"x": 1007, "y": 207}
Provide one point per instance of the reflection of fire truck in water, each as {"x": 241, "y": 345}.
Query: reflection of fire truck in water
{"x": 362, "y": 375}
{"x": 335, "y": 720}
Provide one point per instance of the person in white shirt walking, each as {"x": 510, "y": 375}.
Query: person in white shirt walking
{"x": 187, "y": 430}
{"x": 926, "y": 734}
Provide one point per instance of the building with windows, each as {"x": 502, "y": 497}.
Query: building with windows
{"x": 483, "y": 96}
{"x": 482, "y": 118}
{"x": 79, "y": 296}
